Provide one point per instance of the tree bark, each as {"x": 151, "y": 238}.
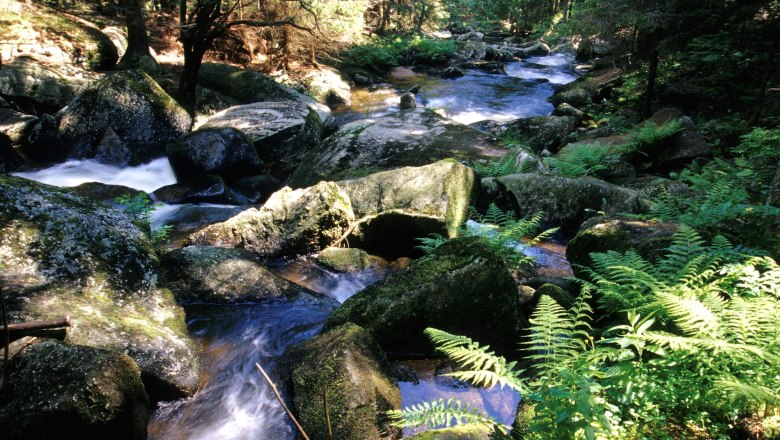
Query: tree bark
{"x": 137, "y": 39}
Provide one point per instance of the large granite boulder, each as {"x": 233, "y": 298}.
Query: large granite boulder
{"x": 222, "y": 151}
{"x": 290, "y": 222}
{"x": 206, "y": 188}
{"x": 541, "y": 132}
{"x": 408, "y": 138}
{"x": 589, "y": 88}
{"x": 15, "y": 126}
{"x": 130, "y": 104}
{"x": 346, "y": 365}
{"x": 282, "y": 131}
{"x": 57, "y": 390}
{"x": 393, "y": 208}
{"x": 565, "y": 201}
{"x": 459, "y": 287}
{"x": 47, "y": 85}
{"x": 601, "y": 234}
{"x": 62, "y": 255}
{"x": 202, "y": 274}
{"x": 328, "y": 87}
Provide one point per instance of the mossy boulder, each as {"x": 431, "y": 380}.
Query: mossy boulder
{"x": 104, "y": 193}
{"x": 290, "y": 222}
{"x": 129, "y": 103}
{"x": 589, "y": 88}
{"x": 255, "y": 189}
{"x": 224, "y": 151}
{"x": 15, "y": 126}
{"x": 459, "y": 432}
{"x": 347, "y": 365}
{"x": 395, "y": 207}
{"x": 408, "y": 138}
{"x": 206, "y": 188}
{"x": 281, "y": 131}
{"x": 57, "y": 390}
{"x": 541, "y": 133}
{"x": 62, "y": 255}
{"x": 349, "y": 260}
{"x": 646, "y": 238}
{"x": 47, "y": 85}
{"x": 202, "y": 274}
{"x": 566, "y": 202}
{"x": 327, "y": 86}
{"x": 458, "y": 288}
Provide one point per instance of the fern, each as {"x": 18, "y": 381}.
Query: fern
{"x": 442, "y": 413}
{"x": 430, "y": 243}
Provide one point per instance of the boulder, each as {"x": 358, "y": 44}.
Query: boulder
{"x": 591, "y": 87}
{"x": 345, "y": 364}
{"x": 683, "y": 147}
{"x": 282, "y": 132}
{"x": 327, "y": 86}
{"x": 409, "y": 138}
{"x": 452, "y": 72}
{"x": 459, "y": 287}
{"x": 104, "y": 193}
{"x": 541, "y": 132}
{"x": 458, "y": 432}
{"x": 395, "y": 207}
{"x": 222, "y": 151}
{"x": 471, "y": 35}
{"x": 408, "y": 102}
{"x": 118, "y": 37}
{"x": 206, "y": 188}
{"x": 62, "y": 255}
{"x": 349, "y": 260}
{"x": 602, "y": 234}
{"x": 9, "y": 158}
{"x": 533, "y": 49}
{"x": 500, "y": 53}
{"x": 202, "y": 274}
{"x": 129, "y": 103}
{"x": 255, "y": 190}
{"x": 47, "y": 85}
{"x": 472, "y": 50}
{"x": 15, "y": 126}
{"x": 565, "y": 201}
{"x": 492, "y": 67}
{"x": 290, "y": 222}
{"x": 57, "y": 390}
{"x": 248, "y": 86}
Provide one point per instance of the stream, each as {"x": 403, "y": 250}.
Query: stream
{"x": 234, "y": 402}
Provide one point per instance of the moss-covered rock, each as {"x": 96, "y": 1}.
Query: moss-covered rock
{"x": 61, "y": 255}
{"x": 202, "y": 274}
{"x": 588, "y": 88}
{"x": 565, "y": 201}
{"x": 345, "y": 364}
{"x": 349, "y": 260}
{"x": 15, "y": 126}
{"x": 458, "y": 288}
{"x": 541, "y": 132}
{"x": 290, "y": 222}
{"x": 408, "y": 138}
{"x": 648, "y": 239}
{"x": 129, "y": 103}
{"x": 104, "y": 193}
{"x": 460, "y": 432}
{"x": 47, "y": 85}
{"x": 56, "y": 390}
{"x": 395, "y": 207}
{"x": 222, "y": 151}
{"x": 281, "y": 131}
{"x": 206, "y": 188}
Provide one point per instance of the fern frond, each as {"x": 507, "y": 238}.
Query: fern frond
{"x": 441, "y": 413}
{"x": 691, "y": 316}
{"x": 550, "y": 341}
{"x": 755, "y": 394}
{"x": 431, "y": 242}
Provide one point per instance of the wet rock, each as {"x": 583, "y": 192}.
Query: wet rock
{"x": 460, "y": 432}
{"x": 222, "y": 151}
{"x": 472, "y": 50}
{"x": 408, "y": 101}
{"x": 601, "y": 234}
{"x": 567, "y": 110}
{"x": 591, "y": 87}
{"x": 565, "y": 201}
{"x": 202, "y": 274}
{"x": 499, "y": 53}
{"x": 492, "y": 67}
{"x": 349, "y": 260}
{"x": 457, "y": 288}
{"x": 282, "y": 132}
{"x": 541, "y": 132}
{"x": 328, "y": 87}
{"x": 255, "y": 190}
{"x": 62, "y": 255}
{"x": 533, "y": 49}
{"x": 409, "y": 138}
{"x": 395, "y": 207}
{"x": 130, "y": 103}
{"x": 347, "y": 364}
{"x": 206, "y": 188}
{"x": 56, "y": 390}
{"x": 471, "y": 35}
{"x": 290, "y": 222}
{"x": 112, "y": 150}
{"x": 103, "y": 193}
{"x": 452, "y": 72}
{"x": 43, "y": 83}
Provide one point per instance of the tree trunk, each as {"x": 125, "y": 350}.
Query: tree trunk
{"x": 652, "y": 74}
{"x": 188, "y": 81}
{"x": 137, "y": 39}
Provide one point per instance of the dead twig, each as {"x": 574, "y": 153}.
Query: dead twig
{"x": 281, "y": 401}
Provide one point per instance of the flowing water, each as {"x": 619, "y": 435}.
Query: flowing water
{"x": 234, "y": 402}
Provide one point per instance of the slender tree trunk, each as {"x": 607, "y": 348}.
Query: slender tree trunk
{"x": 769, "y": 69}
{"x": 565, "y": 10}
{"x": 137, "y": 39}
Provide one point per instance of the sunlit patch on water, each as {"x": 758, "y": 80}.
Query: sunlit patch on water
{"x": 146, "y": 177}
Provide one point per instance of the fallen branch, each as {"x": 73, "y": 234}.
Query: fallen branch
{"x": 52, "y": 328}
{"x": 284, "y": 407}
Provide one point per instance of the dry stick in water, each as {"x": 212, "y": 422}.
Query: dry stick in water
{"x": 279, "y": 398}
{"x": 327, "y": 414}
{"x": 6, "y": 338}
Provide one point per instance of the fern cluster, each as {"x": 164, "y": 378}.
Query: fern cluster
{"x": 140, "y": 207}
{"x": 584, "y": 160}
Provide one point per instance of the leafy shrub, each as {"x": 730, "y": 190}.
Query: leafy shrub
{"x": 377, "y": 54}
{"x": 428, "y": 51}
{"x": 140, "y": 207}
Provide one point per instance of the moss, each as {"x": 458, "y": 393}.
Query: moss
{"x": 460, "y": 432}
{"x": 349, "y": 260}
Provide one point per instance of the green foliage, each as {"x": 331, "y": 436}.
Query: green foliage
{"x": 431, "y": 242}
{"x": 441, "y": 413}
{"x": 140, "y": 207}
{"x": 650, "y": 135}
{"x": 497, "y": 168}
{"x": 428, "y": 51}
{"x": 584, "y": 160}
{"x": 384, "y": 53}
